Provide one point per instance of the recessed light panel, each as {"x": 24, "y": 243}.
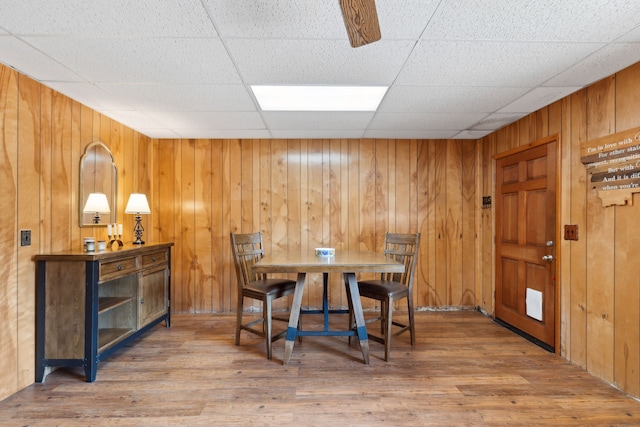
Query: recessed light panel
{"x": 319, "y": 98}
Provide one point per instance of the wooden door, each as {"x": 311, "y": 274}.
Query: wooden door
{"x": 526, "y": 240}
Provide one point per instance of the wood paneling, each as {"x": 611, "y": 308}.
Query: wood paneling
{"x": 626, "y": 371}
{"x": 600, "y": 246}
{"x": 9, "y": 307}
{"x": 598, "y": 274}
{"x": 307, "y": 193}
{"x": 28, "y": 207}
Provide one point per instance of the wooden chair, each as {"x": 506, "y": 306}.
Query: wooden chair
{"x": 392, "y": 287}
{"x": 247, "y": 250}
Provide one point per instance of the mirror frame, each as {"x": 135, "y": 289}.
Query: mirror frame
{"x": 113, "y": 199}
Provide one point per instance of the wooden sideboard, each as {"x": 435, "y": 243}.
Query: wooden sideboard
{"x": 90, "y": 304}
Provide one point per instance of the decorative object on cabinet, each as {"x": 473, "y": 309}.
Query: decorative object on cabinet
{"x": 138, "y": 205}
{"x": 91, "y": 304}
{"x": 114, "y": 233}
{"x": 97, "y": 204}
{"x": 98, "y": 174}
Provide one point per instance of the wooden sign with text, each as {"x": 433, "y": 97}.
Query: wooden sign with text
{"x": 613, "y": 163}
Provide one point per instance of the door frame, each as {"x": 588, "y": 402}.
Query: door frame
{"x": 558, "y": 236}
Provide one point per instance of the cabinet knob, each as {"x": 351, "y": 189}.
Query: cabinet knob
{"x": 141, "y": 300}
{"x": 119, "y": 267}
{"x": 153, "y": 259}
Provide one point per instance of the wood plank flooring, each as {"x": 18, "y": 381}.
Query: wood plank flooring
{"x": 464, "y": 370}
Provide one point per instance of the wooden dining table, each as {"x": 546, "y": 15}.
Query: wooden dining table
{"x": 349, "y": 263}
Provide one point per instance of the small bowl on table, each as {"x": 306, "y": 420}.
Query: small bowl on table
{"x": 325, "y": 251}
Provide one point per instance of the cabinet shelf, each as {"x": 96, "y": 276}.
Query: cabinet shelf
{"x": 107, "y": 303}
{"x": 109, "y": 336}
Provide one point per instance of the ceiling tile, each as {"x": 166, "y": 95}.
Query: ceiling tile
{"x": 604, "y": 62}
{"x": 472, "y": 134}
{"x": 162, "y": 133}
{"x": 184, "y": 120}
{"x": 409, "y": 134}
{"x": 134, "y": 119}
{"x": 22, "y": 57}
{"x": 316, "y": 134}
{"x": 318, "y": 61}
{"x": 154, "y": 60}
{"x": 448, "y": 99}
{"x": 317, "y": 120}
{"x": 631, "y": 36}
{"x": 295, "y": 19}
{"x": 424, "y": 121}
{"x": 113, "y": 18}
{"x": 496, "y": 121}
{"x": 542, "y": 20}
{"x": 455, "y": 69}
{"x": 277, "y": 18}
{"x": 192, "y": 97}
{"x": 92, "y": 96}
{"x": 476, "y": 63}
{"x": 538, "y": 98}
{"x": 405, "y": 19}
{"x": 217, "y": 133}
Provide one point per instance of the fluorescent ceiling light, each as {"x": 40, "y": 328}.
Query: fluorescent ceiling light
{"x": 319, "y": 98}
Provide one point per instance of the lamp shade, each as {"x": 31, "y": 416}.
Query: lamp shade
{"x": 137, "y": 204}
{"x": 97, "y": 202}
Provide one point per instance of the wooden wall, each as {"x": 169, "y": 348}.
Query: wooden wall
{"x": 599, "y": 275}
{"x": 42, "y": 137}
{"x": 304, "y": 194}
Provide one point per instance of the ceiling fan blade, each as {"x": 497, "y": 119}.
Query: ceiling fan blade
{"x": 361, "y": 20}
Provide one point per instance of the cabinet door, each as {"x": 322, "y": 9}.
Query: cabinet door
{"x": 153, "y": 293}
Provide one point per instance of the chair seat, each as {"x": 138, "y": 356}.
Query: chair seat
{"x": 382, "y": 288}
{"x": 274, "y": 288}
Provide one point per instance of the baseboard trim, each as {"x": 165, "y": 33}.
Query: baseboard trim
{"x": 525, "y": 335}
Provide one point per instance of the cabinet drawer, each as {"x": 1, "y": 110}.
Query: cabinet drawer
{"x": 154, "y": 258}
{"x": 120, "y": 267}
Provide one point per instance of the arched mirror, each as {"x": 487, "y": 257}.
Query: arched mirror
{"x": 98, "y": 177}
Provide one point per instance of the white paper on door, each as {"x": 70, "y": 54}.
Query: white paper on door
{"x": 534, "y": 304}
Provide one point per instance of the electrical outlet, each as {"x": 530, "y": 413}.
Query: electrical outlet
{"x": 571, "y": 232}
{"x": 25, "y": 237}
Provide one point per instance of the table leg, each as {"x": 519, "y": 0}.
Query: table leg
{"x": 292, "y": 330}
{"x": 361, "y": 328}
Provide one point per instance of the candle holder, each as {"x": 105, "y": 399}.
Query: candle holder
{"x": 116, "y": 235}
{"x": 115, "y": 239}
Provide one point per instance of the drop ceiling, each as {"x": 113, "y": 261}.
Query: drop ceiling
{"x": 183, "y": 69}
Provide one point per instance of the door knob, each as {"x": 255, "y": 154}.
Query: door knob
{"x": 547, "y": 258}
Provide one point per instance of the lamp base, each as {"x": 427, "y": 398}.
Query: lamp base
{"x": 138, "y": 230}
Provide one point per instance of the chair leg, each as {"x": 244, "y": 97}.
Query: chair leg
{"x": 383, "y": 317}
{"x": 239, "y": 310}
{"x": 387, "y": 335}
{"x": 267, "y": 324}
{"x": 412, "y": 325}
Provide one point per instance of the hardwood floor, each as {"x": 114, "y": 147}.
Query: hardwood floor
{"x": 464, "y": 370}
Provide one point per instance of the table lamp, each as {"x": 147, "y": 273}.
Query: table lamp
{"x": 138, "y": 205}
{"x": 97, "y": 204}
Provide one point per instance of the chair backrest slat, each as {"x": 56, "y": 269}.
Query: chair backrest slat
{"x": 247, "y": 250}
{"x": 402, "y": 248}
